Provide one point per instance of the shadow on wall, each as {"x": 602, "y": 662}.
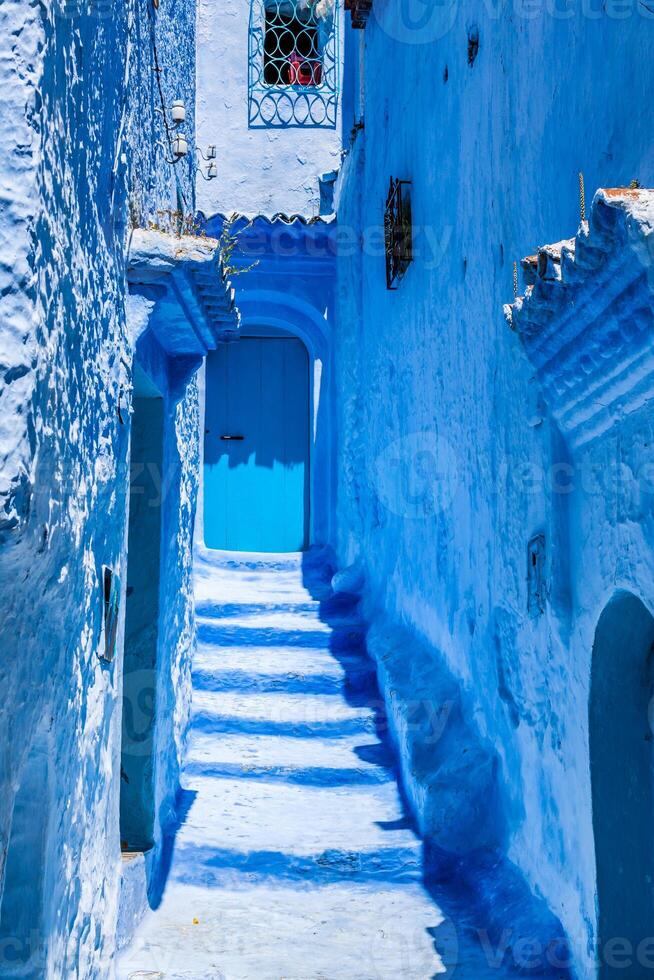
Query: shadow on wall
{"x": 258, "y": 391}
{"x": 257, "y": 468}
{"x": 137, "y": 805}
{"x": 157, "y": 884}
{"x": 621, "y": 759}
{"x": 23, "y": 930}
{"x": 493, "y": 924}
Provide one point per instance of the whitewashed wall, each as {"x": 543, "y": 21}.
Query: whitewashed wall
{"x": 260, "y": 171}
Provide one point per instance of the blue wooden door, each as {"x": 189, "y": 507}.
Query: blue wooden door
{"x": 256, "y": 450}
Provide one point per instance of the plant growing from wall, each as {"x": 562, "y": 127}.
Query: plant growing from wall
{"x": 178, "y": 223}
{"x": 228, "y": 243}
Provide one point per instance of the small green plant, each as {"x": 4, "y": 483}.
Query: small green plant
{"x": 228, "y": 243}
{"x": 177, "y": 223}
{"x": 180, "y": 223}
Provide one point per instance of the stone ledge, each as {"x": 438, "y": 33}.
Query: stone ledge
{"x": 586, "y": 317}
{"x": 186, "y": 277}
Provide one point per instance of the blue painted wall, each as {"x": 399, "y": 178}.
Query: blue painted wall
{"x": 440, "y": 425}
{"x": 79, "y": 163}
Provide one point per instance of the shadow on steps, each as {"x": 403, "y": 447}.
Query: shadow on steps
{"x": 494, "y": 924}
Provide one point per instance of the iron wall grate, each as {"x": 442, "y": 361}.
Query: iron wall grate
{"x": 359, "y": 12}
{"x": 536, "y": 575}
{"x": 293, "y": 64}
{"x": 398, "y": 231}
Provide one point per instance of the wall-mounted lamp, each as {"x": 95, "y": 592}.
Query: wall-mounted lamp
{"x": 180, "y": 146}
{"x": 178, "y": 149}
{"x": 212, "y": 171}
{"x": 210, "y": 157}
{"x": 177, "y": 142}
{"x": 211, "y": 153}
{"x": 178, "y": 112}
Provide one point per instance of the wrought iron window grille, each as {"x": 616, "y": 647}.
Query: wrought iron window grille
{"x": 398, "y": 231}
{"x": 293, "y": 63}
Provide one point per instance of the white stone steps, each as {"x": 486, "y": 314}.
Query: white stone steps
{"x": 257, "y": 753}
{"x": 293, "y": 819}
{"x": 276, "y": 661}
{"x": 297, "y": 715}
{"x": 268, "y": 931}
{"x": 270, "y": 619}
{"x": 295, "y": 858}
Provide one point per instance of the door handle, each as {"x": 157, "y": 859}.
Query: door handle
{"x": 232, "y": 438}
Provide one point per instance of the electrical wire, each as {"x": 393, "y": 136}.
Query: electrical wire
{"x": 158, "y": 71}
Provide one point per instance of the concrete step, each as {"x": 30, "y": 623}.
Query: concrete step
{"x": 325, "y": 762}
{"x": 230, "y": 633}
{"x": 277, "y": 661}
{"x": 232, "y": 818}
{"x": 297, "y": 715}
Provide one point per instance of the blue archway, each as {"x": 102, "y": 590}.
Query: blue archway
{"x": 283, "y": 274}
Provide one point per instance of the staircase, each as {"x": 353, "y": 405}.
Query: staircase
{"x": 585, "y": 319}
{"x": 294, "y": 857}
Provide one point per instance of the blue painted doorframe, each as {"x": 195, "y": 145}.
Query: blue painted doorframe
{"x": 256, "y": 451}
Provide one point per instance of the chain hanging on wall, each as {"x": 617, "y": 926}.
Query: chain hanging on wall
{"x": 293, "y": 63}
{"x": 582, "y": 197}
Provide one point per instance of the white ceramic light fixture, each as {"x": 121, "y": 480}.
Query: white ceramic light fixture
{"x": 180, "y": 146}
{"x": 178, "y": 112}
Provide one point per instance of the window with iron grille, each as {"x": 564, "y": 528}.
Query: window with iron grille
{"x": 293, "y": 63}
{"x": 398, "y": 231}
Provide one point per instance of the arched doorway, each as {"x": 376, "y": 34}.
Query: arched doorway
{"x": 622, "y": 778}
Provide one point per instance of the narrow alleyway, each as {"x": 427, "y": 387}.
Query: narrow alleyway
{"x": 295, "y": 858}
